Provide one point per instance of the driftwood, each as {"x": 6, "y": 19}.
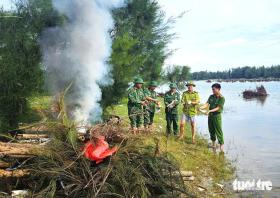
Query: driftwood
{"x": 17, "y": 149}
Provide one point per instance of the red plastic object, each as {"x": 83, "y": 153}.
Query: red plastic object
{"x": 99, "y": 150}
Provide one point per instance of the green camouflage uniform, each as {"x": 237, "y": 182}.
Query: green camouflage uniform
{"x": 135, "y": 108}
{"x": 171, "y": 114}
{"x": 215, "y": 118}
{"x": 151, "y": 108}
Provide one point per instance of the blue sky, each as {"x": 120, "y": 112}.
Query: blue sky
{"x": 221, "y": 34}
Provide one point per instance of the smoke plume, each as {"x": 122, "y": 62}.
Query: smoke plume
{"x": 77, "y": 53}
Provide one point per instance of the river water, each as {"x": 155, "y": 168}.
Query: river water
{"x": 251, "y": 130}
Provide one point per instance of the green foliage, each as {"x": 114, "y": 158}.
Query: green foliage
{"x": 240, "y": 72}
{"x": 71, "y": 134}
{"x": 177, "y": 73}
{"x": 20, "y": 70}
{"x": 140, "y": 37}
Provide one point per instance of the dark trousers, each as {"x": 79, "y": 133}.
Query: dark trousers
{"x": 215, "y": 128}
{"x": 148, "y": 117}
{"x": 172, "y": 120}
{"x": 152, "y": 115}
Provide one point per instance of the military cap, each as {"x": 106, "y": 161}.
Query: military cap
{"x": 173, "y": 85}
{"x": 138, "y": 80}
{"x": 153, "y": 84}
{"x": 190, "y": 83}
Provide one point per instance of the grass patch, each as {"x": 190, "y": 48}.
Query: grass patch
{"x": 208, "y": 168}
{"x": 38, "y": 105}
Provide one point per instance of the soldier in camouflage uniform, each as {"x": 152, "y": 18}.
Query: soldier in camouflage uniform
{"x": 153, "y": 103}
{"x": 136, "y": 103}
{"x": 171, "y": 101}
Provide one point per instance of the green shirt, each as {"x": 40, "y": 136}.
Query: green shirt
{"x": 216, "y": 101}
{"x": 168, "y": 98}
{"x": 190, "y": 109}
{"x": 135, "y": 97}
{"x": 151, "y": 94}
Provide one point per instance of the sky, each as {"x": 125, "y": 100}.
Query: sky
{"x": 222, "y": 34}
{"x": 5, "y": 3}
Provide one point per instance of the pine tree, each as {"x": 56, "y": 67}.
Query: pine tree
{"x": 140, "y": 38}
{"x": 20, "y": 71}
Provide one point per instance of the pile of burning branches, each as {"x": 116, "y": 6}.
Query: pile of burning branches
{"x": 134, "y": 171}
{"x": 60, "y": 168}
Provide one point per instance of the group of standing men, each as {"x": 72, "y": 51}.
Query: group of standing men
{"x": 143, "y": 103}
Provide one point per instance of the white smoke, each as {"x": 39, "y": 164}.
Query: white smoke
{"x": 77, "y": 52}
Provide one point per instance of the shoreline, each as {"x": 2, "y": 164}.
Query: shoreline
{"x": 241, "y": 80}
{"x": 212, "y": 172}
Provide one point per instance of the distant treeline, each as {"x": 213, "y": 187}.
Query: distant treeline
{"x": 240, "y": 72}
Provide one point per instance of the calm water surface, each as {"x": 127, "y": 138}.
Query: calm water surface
{"x": 251, "y": 130}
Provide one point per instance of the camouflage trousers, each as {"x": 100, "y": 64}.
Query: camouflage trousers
{"x": 171, "y": 123}
{"x": 148, "y": 117}
{"x": 136, "y": 116}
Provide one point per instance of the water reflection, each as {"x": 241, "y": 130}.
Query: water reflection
{"x": 261, "y": 99}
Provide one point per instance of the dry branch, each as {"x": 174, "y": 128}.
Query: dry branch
{"x": 20, "y": 149}
{"x": 15, "y": 173}
{"x": 5, "y": 164}
{"x": 31, "y": 136}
